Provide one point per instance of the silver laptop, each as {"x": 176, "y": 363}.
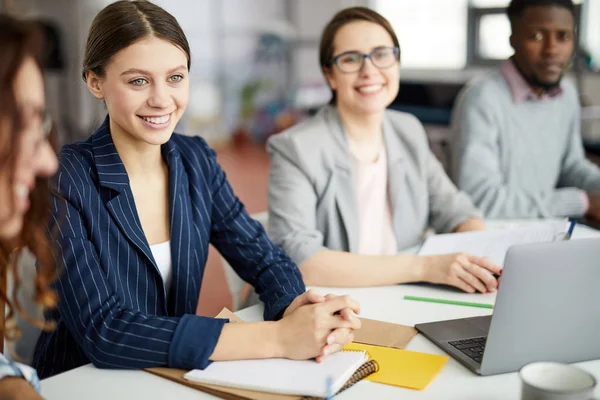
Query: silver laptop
{"x": 547, "y": 308}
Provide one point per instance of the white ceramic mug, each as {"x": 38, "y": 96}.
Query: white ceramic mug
{"x": 555, "y": 381}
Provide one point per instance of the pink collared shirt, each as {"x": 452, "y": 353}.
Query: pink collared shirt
{"x": 521, "y": 91}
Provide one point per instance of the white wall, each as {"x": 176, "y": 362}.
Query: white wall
{"x": 310, "y": 17}
{"x": 68, "y": 95}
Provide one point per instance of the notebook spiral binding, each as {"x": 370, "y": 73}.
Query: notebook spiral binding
{"x": 368, "y": 368}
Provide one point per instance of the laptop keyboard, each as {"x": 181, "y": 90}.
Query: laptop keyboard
{"x": 472, "y": 348}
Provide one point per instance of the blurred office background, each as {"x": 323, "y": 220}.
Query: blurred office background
{"x": 255, "y": 72}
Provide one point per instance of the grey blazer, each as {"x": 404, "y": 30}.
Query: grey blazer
{"x": 312, "y": 202}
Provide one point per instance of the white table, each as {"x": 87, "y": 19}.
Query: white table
{"x": 382, "y": 303}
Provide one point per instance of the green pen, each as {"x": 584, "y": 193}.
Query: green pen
{"x": 456, "y": 303}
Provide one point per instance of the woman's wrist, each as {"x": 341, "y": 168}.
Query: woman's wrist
{"x": 422, "y": 266}
{"x": 276, "y": 339}
{"x": 410, "y": 267}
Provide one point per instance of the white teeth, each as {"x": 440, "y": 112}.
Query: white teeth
{"x": 370, "y": 88}
{"x": 21, "y": 190}
{"x": 157, "y": 120}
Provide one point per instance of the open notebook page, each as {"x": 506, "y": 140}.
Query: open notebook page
{"x": 493, "y": 243}
{"x": 283, "y": 376}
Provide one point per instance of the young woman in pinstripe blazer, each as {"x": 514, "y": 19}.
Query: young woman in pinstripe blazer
{"x": 134, "y": 208}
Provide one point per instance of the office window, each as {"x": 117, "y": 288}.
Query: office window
{"x": 504, "y": 3}
{"x": 443, "y": 34}
{"x": 493, "y": 33}
{"x": 489, "y": 31}
{"x": 591, "y": 28}
{"x": 432, "y": 33}
{"x": 489, "y": 3}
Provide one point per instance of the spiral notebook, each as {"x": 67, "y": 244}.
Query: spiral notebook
{"x": 284, "y": 376}
{"x": 232, "y": 393}
{"x": 229, "y": 393}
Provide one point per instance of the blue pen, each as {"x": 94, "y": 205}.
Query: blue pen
{"x": 570, "y": 231}
{"x": 329, "y": 388}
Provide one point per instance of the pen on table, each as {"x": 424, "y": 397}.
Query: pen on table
{"x": 570, "y": 231}
{"x": 329, "y": 391}
{"x": 453, "y": 302}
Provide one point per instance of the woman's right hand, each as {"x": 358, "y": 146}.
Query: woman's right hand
{"x": 464, "y": 271}
{"x": 304, "y": 333}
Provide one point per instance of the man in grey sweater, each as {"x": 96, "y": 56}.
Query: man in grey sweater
{"x": 517, "y": 148}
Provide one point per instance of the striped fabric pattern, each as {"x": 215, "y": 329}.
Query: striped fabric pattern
{"x": 113, "y": 307}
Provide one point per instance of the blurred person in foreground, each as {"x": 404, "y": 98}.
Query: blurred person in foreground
{"x": 27, "y": 158}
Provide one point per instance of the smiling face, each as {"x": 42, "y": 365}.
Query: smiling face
{"x": 543, "y": 40}
{"x": 146, "y": 89}
{"x": 34, "y": 154}
{"x": 369, "y": 90}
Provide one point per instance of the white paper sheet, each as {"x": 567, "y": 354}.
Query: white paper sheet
{"x": 493, "y": 243}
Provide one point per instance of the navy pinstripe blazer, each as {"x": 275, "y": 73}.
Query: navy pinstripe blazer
{"x": 113, "y": 308}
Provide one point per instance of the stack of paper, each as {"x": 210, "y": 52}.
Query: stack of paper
{"x": 493, "y": 243}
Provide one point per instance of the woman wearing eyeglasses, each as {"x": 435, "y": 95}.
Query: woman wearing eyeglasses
{"x": 357, "y": 183}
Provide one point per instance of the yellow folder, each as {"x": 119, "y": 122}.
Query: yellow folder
{"x": 403, "y": 368}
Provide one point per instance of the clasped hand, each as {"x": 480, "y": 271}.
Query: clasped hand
{"x": 315, "y": 326}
